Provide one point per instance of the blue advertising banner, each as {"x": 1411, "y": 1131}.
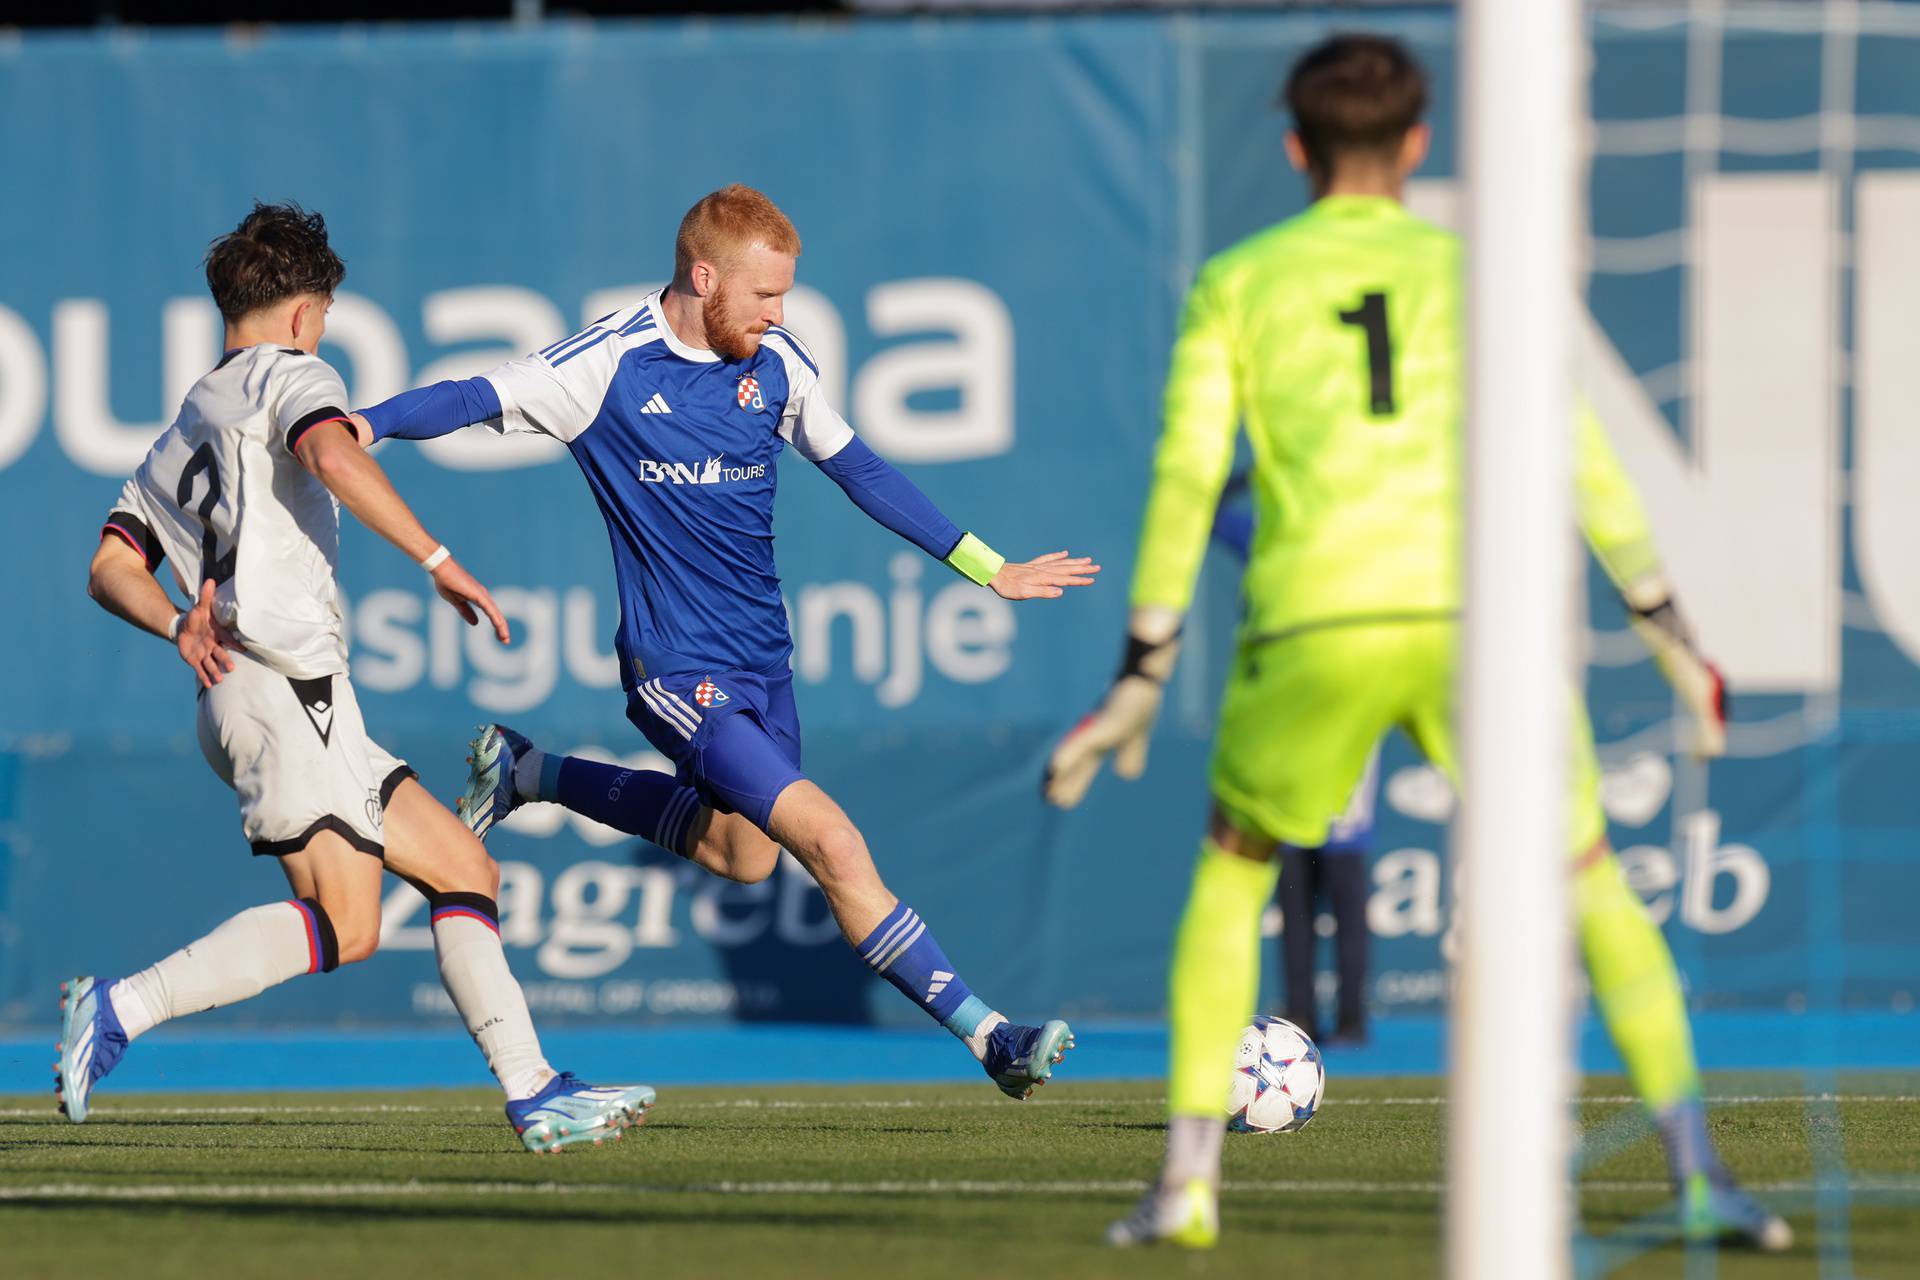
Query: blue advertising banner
{"x": 999, "y": 218}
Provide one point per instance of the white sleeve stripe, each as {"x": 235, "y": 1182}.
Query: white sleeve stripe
{"x": 792, "y": 344}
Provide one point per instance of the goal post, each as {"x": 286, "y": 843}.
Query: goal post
{"x": 1522, "y": 76}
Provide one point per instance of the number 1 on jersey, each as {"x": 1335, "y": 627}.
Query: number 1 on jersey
{"x": 1371, "y": 315}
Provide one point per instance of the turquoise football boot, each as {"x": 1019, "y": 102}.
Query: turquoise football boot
{"x": 490, "y": 795}
{"x": 568, "y": 1112}
{"x": 92, "y": 1042}
{"x": 1021, "y": 1059}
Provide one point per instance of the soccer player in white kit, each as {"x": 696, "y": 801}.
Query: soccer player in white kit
{"x": 242, "y": 495}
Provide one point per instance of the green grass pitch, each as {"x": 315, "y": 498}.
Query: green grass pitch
{"x": 915, "y": 1182}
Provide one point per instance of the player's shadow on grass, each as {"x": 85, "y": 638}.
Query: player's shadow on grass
{"x": 862, "y": 1130}
{"x": 481, "y": 1120}
{"x": 619, "y": 1210}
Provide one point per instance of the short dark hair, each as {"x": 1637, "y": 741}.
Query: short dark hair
{"x": 278, "y": 251}
{"x": 1354, "y": 93}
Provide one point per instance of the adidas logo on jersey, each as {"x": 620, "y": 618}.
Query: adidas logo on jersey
{"x": 658, "y": 404}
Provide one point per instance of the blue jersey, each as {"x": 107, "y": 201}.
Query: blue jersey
{"x": 678, "y": 445}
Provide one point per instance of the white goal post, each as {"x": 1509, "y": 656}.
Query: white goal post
{"x": 1522, "y": 80}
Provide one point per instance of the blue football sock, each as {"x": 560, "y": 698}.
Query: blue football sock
{"x": 903, "y": 951}
{"x": 640, "y": 802}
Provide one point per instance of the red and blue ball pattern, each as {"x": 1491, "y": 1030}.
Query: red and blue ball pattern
{"x": 1278, "y": 1078}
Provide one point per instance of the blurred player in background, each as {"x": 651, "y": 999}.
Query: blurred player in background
{"x": 242, "y": 494}
{"x": 1335, "y": 870}
{"x": 676, "y": 409}
{"x": 1335, "y": 336}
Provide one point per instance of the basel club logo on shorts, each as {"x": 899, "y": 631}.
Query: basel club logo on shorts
{"x": 749, "y": 393}
{"x": 707, "y": 693}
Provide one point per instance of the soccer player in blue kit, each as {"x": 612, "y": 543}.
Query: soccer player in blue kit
{"x": 675, "y": 410}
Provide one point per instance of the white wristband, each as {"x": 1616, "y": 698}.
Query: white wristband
{"x": 439, "y": 557}
{"x": 173, "y": 628}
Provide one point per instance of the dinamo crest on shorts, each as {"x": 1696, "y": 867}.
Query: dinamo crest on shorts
{"x": 749, "y": 393}
{"x": 708, "y": 694}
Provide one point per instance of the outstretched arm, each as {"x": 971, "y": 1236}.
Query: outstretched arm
{"x": 1616, "y": 528}
{"x": 427, "y": 412}
{"x": 878, "y": 488}
{"x": 339, "y": 462}
{"x": 1611, "y": 517}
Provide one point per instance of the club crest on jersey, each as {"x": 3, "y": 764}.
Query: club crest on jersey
{"x": 708, "y": 694}
{"x": 749, "y": 393}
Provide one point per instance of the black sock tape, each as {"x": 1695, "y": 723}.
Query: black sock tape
{"x": 329, "y": 945}
{"x": 479, "y": 903}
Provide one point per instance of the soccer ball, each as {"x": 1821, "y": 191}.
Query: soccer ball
{"x": 1278, "y": 1078}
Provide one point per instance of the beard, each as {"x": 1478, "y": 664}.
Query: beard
{"x": 731, "y": 339}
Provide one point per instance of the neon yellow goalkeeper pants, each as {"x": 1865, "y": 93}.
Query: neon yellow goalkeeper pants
{"x": 1302, "y": 712}
{"x": 1300, "y": 716}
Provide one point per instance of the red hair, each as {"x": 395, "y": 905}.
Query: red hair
{"x": 727, "y": 221}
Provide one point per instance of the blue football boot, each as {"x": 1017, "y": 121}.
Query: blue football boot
{"x": 569, "y": 1111}
{"x": 92, "y": 1042}
{"x": 1020, "y": 1059}
{"x": 490, "y": 795}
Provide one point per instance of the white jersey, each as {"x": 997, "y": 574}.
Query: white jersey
{"x": 222, "y": 496}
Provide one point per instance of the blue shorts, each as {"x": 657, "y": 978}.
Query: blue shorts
{"x": 733, "y": 736}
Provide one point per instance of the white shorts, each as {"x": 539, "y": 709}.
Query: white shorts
{"x": 298, "y": 755}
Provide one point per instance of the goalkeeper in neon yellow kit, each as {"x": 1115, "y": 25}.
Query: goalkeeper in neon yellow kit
{"x": 1335, "y": 338}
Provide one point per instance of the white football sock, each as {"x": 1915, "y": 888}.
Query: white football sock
{"x": 978, "y": 1040}
{"x": 135, "y": 1018}
{"x": 256, "y": 949}
{"x": 526, "y": 775}
{"x": 1193, "y": 1149}
{"x": 473, "y": 968}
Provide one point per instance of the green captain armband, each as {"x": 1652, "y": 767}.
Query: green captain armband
{"x": 974, "y": 559}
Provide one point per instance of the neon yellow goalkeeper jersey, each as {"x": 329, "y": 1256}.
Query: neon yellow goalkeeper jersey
{"x": 1335, "y": 337}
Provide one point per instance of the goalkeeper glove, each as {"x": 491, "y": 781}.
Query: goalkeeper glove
{"x": 1698, "y": 682}
{"x": 1123, "y": 722}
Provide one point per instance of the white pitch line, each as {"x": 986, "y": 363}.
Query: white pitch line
{"x": 878, "y": 1104}
{"x": 959, "y": 1187}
